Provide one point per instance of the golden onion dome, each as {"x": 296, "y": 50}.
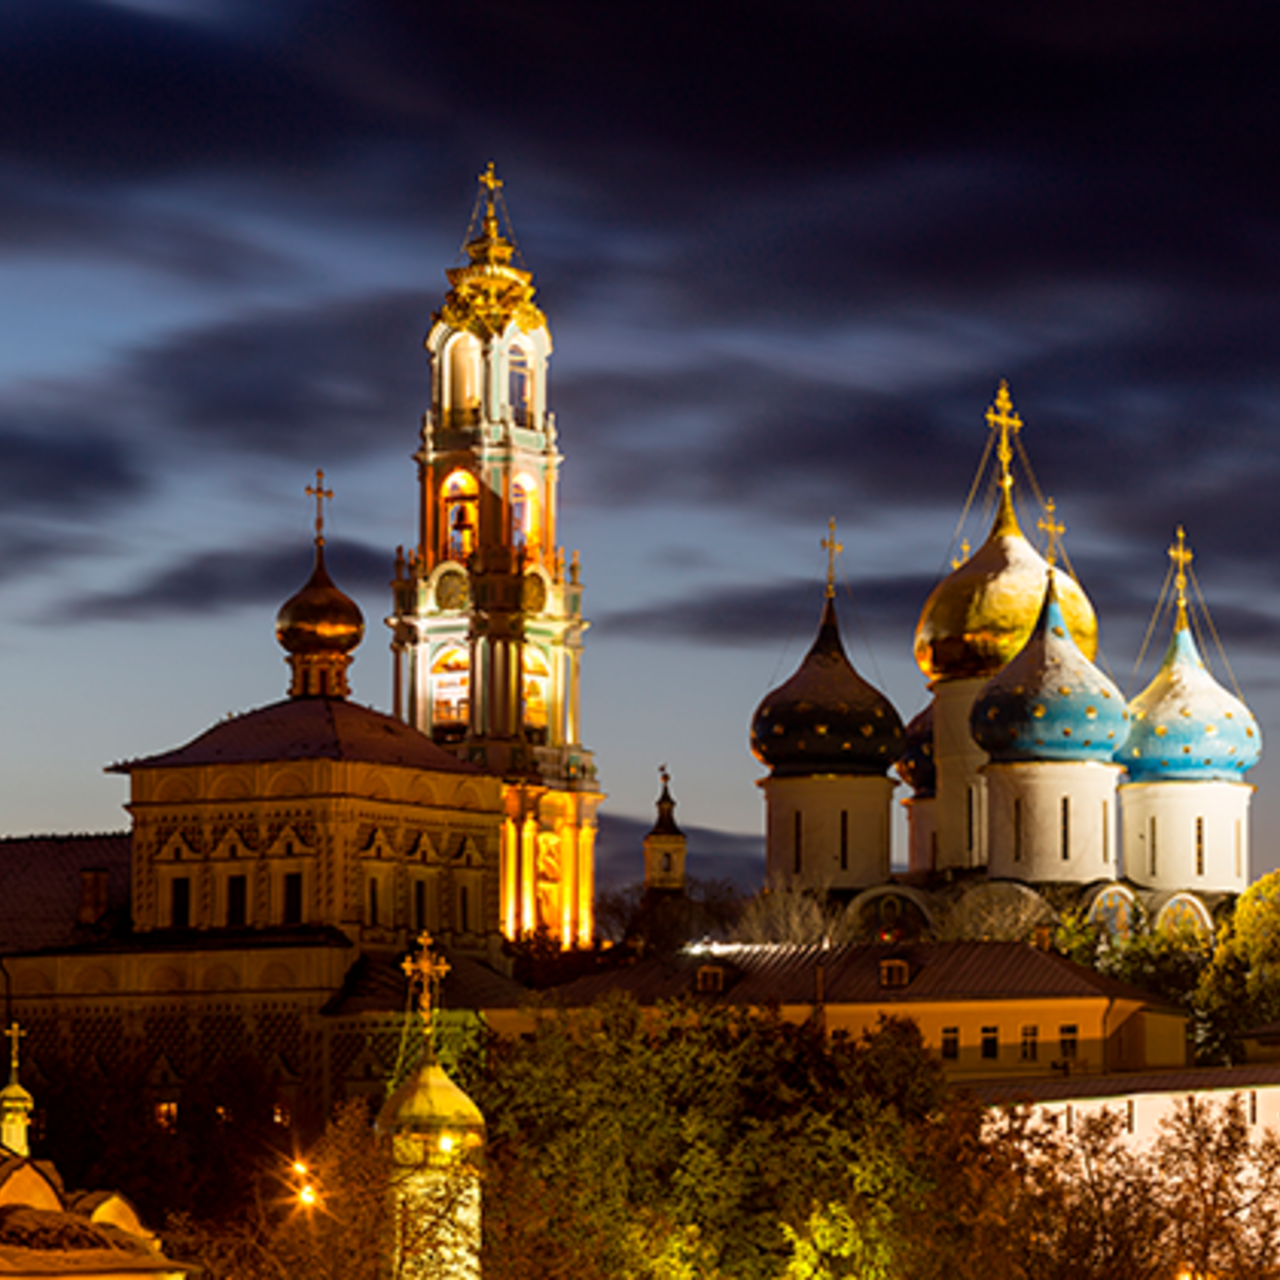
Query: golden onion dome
{"x": 320, "y": 618}
{"x": 982, "y": 614}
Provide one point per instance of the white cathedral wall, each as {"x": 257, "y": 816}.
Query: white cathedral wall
{"x": 922, "y": 833}
{"x": 1186, "y": 835}
{"x": 1052, "y": 821}
{"x": 961, "y": 787}
{"x": 829, "y": 831}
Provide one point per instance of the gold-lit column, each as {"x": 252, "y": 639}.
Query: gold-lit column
{"x": 586, "y": 884}
{"x": 529, "y": 875}
{"x": 567, "y": 855}
{"x": 509, "y": 867}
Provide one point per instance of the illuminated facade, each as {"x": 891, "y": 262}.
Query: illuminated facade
{"x": 1028, "y": 765}
{"x": 487, "y": 622}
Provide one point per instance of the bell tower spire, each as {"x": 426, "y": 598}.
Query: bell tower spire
{"x": 487, "y": 626}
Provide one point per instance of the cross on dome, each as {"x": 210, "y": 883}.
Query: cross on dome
{"x": 1054, "y": 528}
{"x": 319, "y": 493}
{"x": 14, "y": 1033}
{"x": 1003, "y": 417}
{"x": 490, "y": 180}
{"x": 833, "y": 549}
{"x": 1182, "y": 556}
{"x": 426, "y": 969}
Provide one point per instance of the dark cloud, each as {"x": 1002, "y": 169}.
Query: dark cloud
{"x": 63, "y": 467}
{"x": 216, "y": 581}
{"x": 343, "y": 378}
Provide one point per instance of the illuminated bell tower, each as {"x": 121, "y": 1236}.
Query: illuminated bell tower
{"x": 487, "y": 623}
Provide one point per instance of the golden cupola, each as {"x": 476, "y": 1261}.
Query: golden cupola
{"x": 983, "y": 612}
{"x": 319, "y": 625}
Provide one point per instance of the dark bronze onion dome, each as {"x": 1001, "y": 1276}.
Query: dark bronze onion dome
{"x": 826, "y": 718}
{"x": 320, "y": 625}
{"x": 916, "y": 766}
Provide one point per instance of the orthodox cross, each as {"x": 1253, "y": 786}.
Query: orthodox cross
{"x": 1054, "y": 528}
{"x": 664, "y": 775}
{"x": 833, "y": 549}
{"x": 1003, "y": 417}
{"x": 14, "y": 1034}
{"x": 425, "y": 969}
{"x": 1181, "y": 556}
{"x": 490, "y": 181}
{"x": 963, "y": 556}
{"x": 319, "y": 493}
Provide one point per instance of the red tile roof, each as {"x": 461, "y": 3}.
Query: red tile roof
{"x": 42, "y": 886}
{"x": 308, "y": 729}
{"x": 757, "y": 975}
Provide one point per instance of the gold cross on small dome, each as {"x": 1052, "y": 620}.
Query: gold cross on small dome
{"x": 1003, "y": 417}
{"x": 833, "y": 549}
{"x": 1054, "y": 528}
{"x": 319, "y": 493}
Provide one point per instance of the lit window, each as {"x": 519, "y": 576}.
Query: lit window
{"x": 460, "y": 500}
{"x": 520, "y": 386}
{"x": 524, "y": 512}
{"x": 991, "y": 1042}
{"x": 166, "y": 1116}
{"x": 451, "y": 686}
{"x": 280, "y": 1115}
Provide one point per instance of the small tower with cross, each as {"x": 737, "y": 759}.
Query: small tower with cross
{"x": 15, "y": 1102}
{"x": 665, "y": 847}
{"x": 319, "y": 626}
{"x": 437, "y": 1135}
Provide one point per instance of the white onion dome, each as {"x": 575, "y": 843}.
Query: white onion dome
{"x": 826, "y": 718}
{"x": 980, "y": 615}
{"x": 429, "y": 1104}
{"x": 1050, "y": 702}
{"x": 915, "y": 765}
{"x": 1185, "y": 725}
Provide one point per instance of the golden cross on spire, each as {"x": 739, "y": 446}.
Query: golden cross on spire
{"x": 1181, "y": 556}
{"x": 490, "y": 180}
{"x": 963, "y": 557}
{"x": 319, "y": 493}
{"x": 1003, "y": 417}
{"x": 14, "y": 1034}
{"x": 833, "y": 549}
{"x": 427, "y": 970}
{"x": 1054, "y": 528}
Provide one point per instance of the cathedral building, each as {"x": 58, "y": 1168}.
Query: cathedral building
{"x": 1028, "y": 770}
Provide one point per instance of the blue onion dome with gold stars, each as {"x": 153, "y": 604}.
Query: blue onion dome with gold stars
{"x": 1184, "y": 725}
{"x": 980, "y": 615}
{"x": 915, "y": 765}
{"x": 1050, "y": 702}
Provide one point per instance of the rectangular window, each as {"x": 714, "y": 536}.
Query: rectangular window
{"x": 1132, "y": 1116}
{"x": 1106, "y": 832}
{"x": 799, "y": 840}
{"x": 1030, "y": 1044}
{"x": 464, "y": 912}
{"x": 373, "y": 903}
{"x": 1066, "y": 828}
{"x": 1253, "y": 1106}
{"x": 1199, "y": 846}
{"x": 844, "y": 840}
{"x": 969, "y": 818}
{"x": 991, "y": 1042}
{"x": 293, "y": 898}
{"x": 894, "y": 973}
{"x": 1068, "y": 1041}
{"x": 419, "y": 906}
{"x": 166, "y": 1116}
{"x": 1017, "y": 829}
{"x": 1151, "y": 850}
{"x": 180, "y": 903}
{"x": 951, "y": 1043}
{"x": 237, "y": 902}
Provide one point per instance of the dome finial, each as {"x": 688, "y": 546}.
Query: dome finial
{"x": 1003, "y": 417}
{"x": 833, "y": 549}
{"x": 319, "y": 493}
{"x": 15, "y": 1102}
{"x": 1181, "y": 556}
{"x": 1054, "y": 529}
{"x": 426, "y": 971}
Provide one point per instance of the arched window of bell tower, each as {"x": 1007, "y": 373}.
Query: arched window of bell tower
{"x": 460, "y": 502}
{"x": 450, "y": 689}
{"x": 463, "y": 385}
{"x": 520, "y": 385}
{"x": 525, "y": 530}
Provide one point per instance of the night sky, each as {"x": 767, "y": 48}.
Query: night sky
{"x": 786, "y": 253}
